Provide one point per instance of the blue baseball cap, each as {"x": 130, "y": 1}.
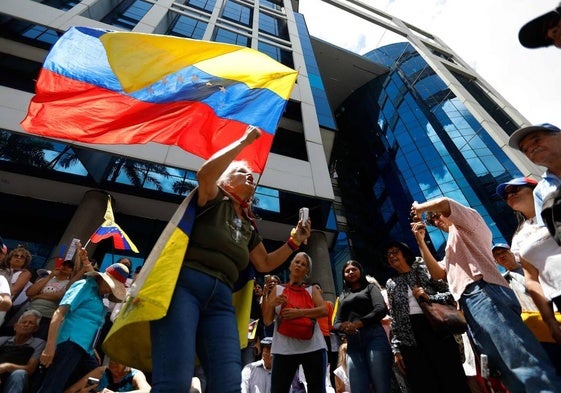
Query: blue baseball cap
{"x": 519, "y": 181}
{"x": 521, "y": 133}
{"x": 500, "y": 245}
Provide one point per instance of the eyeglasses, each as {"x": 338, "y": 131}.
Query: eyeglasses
{"x": 18, "y": 256}
{"x": 431, "y": 218}
{"x": 392, "y": 251}
{"x": 511, "y": 190}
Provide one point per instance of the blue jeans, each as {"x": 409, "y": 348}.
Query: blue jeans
{"x": 70, "y": 363}
{"x": 369, "y": 360}
{"x": 493, "y": 316}
{"x": 17, "y": 382}
{"x": 200, "y": 318}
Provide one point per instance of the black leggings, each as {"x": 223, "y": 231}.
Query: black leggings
{"x": 285, "y": 366}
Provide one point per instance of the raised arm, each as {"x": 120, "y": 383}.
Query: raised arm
{"x": 435, "y": 270}
{"x": 214, "y": 167}
{"x": 264, "y": 261}
{"x": 441, "y": 205}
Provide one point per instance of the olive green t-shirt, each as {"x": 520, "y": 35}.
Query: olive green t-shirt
{"x": 220, "y": 242}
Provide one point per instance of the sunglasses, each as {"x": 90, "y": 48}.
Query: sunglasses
{"x": 18, "y": 256}
{"x": 431, "y": 218}
{"x": 512, "y": 190}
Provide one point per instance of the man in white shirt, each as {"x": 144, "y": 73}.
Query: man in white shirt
{"x": 256, "y": 376}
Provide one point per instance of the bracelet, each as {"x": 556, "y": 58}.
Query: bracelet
{"x": 292, "y": 244}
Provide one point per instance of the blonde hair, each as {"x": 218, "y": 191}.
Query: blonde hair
{"x": 16, "y": 250}
{"x": 308, "y": 258}
{"x": 233, "y": 167}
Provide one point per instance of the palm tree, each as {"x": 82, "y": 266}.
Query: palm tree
{"x": 21, "y": 149}
{"x": 183, "y": 187}
{"x": 139, "y": 173}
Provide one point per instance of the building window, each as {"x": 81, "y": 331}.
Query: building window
{"x": 272, "y": 25}
{"x": 127, "y": 14}
{"x": 185, "y": 26}
{"x": 34, "y": 152}
{"x": 237, "y": 13}
{"x": 290, "y": 144}
{"x": 63, "y": 5}
{"x": 230, "y": 37}
{"x": 272, "y": 5}
{"x": 281, "y": 55}
{"x": 18, "y": 73}
{"x": 28, "y": 33}
{"x": 207, "y": 5}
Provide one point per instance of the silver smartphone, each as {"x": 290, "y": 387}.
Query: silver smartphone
{"x": 304, "y": 215}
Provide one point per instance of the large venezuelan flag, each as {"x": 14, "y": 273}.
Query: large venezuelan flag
{"x": 149, "y": 297}
{"x": 110, "y": 229}
{"x": 107, "y": 87}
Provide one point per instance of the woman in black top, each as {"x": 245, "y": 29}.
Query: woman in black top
{"x": 361, "y": 310}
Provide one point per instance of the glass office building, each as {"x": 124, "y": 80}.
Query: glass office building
{"x": 404, "y": 137}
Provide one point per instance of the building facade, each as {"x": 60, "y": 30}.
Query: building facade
{"x": 58, "y": 191}
{"x": 405, "y": 136}
{"x": 352, "y": 174}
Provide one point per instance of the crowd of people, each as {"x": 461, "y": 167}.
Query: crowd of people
{"x": 54, "y": 321}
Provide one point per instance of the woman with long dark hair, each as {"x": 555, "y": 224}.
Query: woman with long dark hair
{"x": 359, "y": 315}
{"x": 429, "y": 363}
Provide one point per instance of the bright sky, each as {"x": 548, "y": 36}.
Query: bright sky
{"x": 484, "y": 33}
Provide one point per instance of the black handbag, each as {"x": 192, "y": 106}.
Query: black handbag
{"x": 445, "y": 319}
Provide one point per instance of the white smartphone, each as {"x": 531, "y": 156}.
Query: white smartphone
{"x": 304, "y": 215}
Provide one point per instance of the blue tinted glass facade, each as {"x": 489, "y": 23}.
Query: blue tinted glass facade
{"x": 207, "y": 5}
{"x": 63, "y": 5}
{"x": 273, "y": 25}
{"x": 237, "y": 13}
{"x": 185, "y": 26}
{"x": 403, "y": 137}
{"x": 127, "y": 14}
{"x": 323, "y": 109}
{"x": 281, "y": 55}
{"x": 270, "y": 4}
{"x": 229, "y": 37}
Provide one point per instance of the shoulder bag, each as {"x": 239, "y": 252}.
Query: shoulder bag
{"x": 445, "y": 319}
{"x": 301, "y": 328}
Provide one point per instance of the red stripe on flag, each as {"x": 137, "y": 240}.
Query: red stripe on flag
{"x": 82, "y": 112}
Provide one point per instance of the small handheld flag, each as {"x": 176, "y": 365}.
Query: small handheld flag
{"x": 110, "y": 229}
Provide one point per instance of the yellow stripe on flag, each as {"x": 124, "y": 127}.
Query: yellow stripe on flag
{"x": 161, "y": 55}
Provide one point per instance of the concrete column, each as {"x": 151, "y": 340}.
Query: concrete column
{"x": 87, "y": 218}
{"x": 321, "y": 264}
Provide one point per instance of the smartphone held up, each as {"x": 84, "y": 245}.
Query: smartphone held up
{"x": 304, "y": 215}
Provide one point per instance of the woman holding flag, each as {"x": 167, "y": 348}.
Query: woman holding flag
{"x": 201, "y": 319}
